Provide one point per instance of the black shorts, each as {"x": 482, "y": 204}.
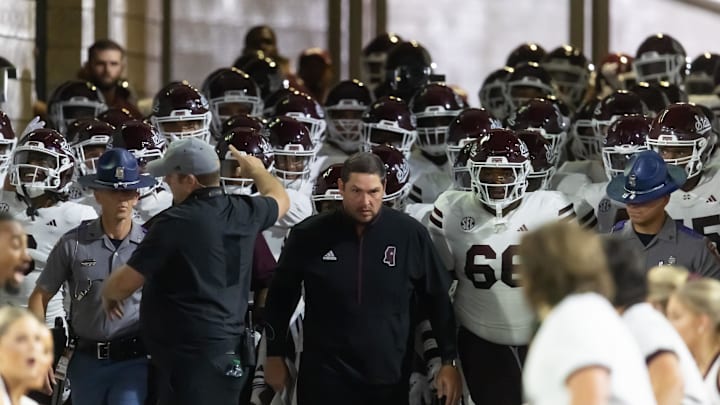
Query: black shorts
{"x": 493, "y": 372}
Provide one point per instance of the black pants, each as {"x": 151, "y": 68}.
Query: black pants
{"x": 191, "y": 379}
{"x": 319, "y": 384}
{"x": 493, "y": 372}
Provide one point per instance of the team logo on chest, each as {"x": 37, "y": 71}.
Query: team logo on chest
{"x": 467, "y": 223}
{"x": 389, "y": 256}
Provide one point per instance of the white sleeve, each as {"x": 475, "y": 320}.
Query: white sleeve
{"x": 300, "y": 208}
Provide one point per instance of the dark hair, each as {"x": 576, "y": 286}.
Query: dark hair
{"x": 627, "y": 267}
{"x": 104, "y": 45}
{"x": 251, "y": 41}
{"x": 363, "y": 162}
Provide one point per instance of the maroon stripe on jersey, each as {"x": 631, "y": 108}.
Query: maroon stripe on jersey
{"x": 592, "y": 224}
{"x": 437, "y": 212}
{"x": 569, "y": 217}
{"x": 587, "y": 217}
{"x": 435, "y": 221}
{"x": 565, "y": 210}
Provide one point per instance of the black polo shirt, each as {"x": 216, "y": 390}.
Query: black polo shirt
{"x": 196, "y": 259}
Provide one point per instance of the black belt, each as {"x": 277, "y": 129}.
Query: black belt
{"x": 117, "y": 350}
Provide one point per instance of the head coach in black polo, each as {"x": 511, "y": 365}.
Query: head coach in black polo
{"x": 194, "y": 268}
{"x": 360, "y": 266}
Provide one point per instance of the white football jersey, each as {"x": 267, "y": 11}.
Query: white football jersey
{"x": 699, "y": 208}
{"x": 608, "y": 211}
{"x": 584, "y": 330}
{"x": 654, "y": 334}
{"x": 44, "y": 230}
{"x": 152, "y": 204}
{"x": 300, "y": 208}
{"x": 482, "y": 251}
{"x": 421, "y": 212}
{"x": 326, "y": 156}
{"x": 428, "y": 180}
{"x": 592, "y": 169}
{"x": 712, "y": 387}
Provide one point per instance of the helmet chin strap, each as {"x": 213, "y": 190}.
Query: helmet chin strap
{"x": 31, "y": 211}
{"x": 499, "y": 222}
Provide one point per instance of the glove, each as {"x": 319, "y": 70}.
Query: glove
{"x": 433, "y": 367}
{"x": 35, "y": 123}
{"x": 419, "y": 390}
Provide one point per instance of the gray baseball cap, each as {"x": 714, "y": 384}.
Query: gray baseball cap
{"x": 186, "y": 156}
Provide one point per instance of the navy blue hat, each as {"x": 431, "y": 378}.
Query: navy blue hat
{"x": 646, "y": 179}
{"x": 117, "y": 169}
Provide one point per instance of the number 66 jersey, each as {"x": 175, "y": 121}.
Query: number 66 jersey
{"x": 483, "y": 252}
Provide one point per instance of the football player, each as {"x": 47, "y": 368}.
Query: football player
{"x": 681, "y": 135}
{"x": 146, "y": 144}
{"x": 660, "y": 57}
{"x": 73, "y": 100}
{"x": 477, "y": 234}
{"x": 41, "y": 172}
{"x": 230, "y": 92}
{"x": 181, "y": 111}
{"x": 8, "y": 140}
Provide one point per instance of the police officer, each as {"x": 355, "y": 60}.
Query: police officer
{"x": 360, "y": 266}
{"x": 645, "y": 190}
{"x": 109, "y": 364}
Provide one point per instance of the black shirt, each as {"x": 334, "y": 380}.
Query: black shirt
{"x": 358, "y": 292}
{"x": 196, "y": 259}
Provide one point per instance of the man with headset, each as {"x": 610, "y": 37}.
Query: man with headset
{"x": 194, "y": 267}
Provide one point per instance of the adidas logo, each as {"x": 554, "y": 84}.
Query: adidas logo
{"x": 51, "y": 223}
{"x": 329, "y": 256}
{"x": 522, "y": 228}
{"x": 711, "y": 199}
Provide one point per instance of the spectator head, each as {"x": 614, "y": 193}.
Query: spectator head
{"x": 694, "y": 311}
{"x": 663, "y": 281}
{"x": 261, "y": 38}
{"x": 14, "y": 257}
{"x": 26, "y": 350}
{"x": 105, "y": 64}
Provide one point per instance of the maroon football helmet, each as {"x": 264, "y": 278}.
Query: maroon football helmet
{"x": 116, "y": 116}
{"x": 527, "y": 81}
{"x": 570, "y": 71}
{"x": 654, "y": 98}
{"x": 626, "y": 136}
{"x": 389, "y": 121}
{"x": 305, "y": 109}
{"x": 408, "y": 67}
{"x": 181, "y": 111}
{"x": 246, "y": 140}
{"x": 470, "y": 124}
{"x": 545, "y": 117}
{"x": 541, "y": 155}
{"x": 7, "y": 140}
{"x": 617, "y": 104}
{"x": 700, "y": 79}
{"x": 344, "y": 105}
{"x": 244, "y": 121}
{"x": 373, "y": 58}
{"x": 660, "y": 58}
{"x": 229, "y": 92}
{"x": 73, "y": 100}
{"x": 294, "y": 151}
{"x": 141, "y": 139}
{"x": 397, "y": 180}
{"x": 673, "y": 92}
{"x": 493, "y": 95}
{"x": 42, "y": 161}
{"x": 499, "y": 164}
{"x": 326, "y": 191}
{"x": 680, "y": 134}
{"x": 434, "y": 106}
{"x": 615, "y": 72}
{"x": 527, "y": 52}
{"x": 88, "y": 139}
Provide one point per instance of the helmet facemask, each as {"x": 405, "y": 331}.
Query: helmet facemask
{"x": 234, "y": 102}
{"x": 64, "y": 113}
{"x": 292, "y": 165}
{"x": 388, "y": 133}
{"x": 616, "y": 158}
{"x": 655, "y": 67}
{"x": 498, "y": 183}
{"x": 36, "y": 170}
{"x": 86, "y": 160}
{"x": 183, "y": 124}
{"x": 692, "y": 152}
{"x": 345, "y": 125}
{"x": 432, "y": 129}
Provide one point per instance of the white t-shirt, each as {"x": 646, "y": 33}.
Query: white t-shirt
{"x": 654, "y": 334}
{"x": 711, "y": 382}
{"x": 584, "y": 330}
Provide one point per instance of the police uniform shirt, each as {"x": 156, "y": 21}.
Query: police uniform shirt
{"x": 569, "y": 340}
{"x": 675, "y": 244}
{"x": 655, "y": 335}
{"x": 84, "y": 257}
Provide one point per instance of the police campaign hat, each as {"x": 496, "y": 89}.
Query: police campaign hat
{"x": 647, "y": 178}
{"x": 117, "y": 169}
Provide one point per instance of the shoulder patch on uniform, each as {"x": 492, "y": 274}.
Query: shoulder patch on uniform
{"x": 619, "y": 226}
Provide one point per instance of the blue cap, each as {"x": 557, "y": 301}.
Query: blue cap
{"x": 646, "y": 179}
{"x": 117, "y": 169}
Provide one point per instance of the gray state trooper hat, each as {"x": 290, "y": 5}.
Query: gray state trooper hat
{"x": 117, "y": 169}
{"x": 186, "y": 156}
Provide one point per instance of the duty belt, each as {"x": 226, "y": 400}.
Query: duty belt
{"x": 118, "y": 350}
